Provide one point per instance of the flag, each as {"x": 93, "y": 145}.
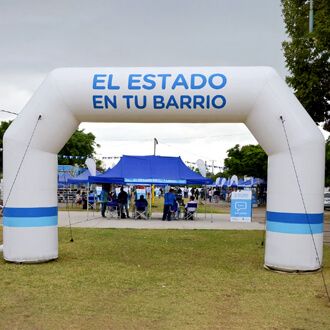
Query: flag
{"x": 91, "y": 166}
{"x": 201, "y": 167}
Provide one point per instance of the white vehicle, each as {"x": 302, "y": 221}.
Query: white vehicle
{"x": 327, "y": 200}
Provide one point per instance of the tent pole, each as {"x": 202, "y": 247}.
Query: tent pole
{"x": 151, "y": 191}
{"x": 212, "y": 204}
{"x": 93, "y": 203}
{"x": 87, "y": 198}
{"x": 67, "y": 197}
{"x": 205, "y": 199}
{"x": 152, "y": 195}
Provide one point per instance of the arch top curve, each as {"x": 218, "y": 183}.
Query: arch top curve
{"x": 256, "y": 96}
{"x": 164, "y": 94}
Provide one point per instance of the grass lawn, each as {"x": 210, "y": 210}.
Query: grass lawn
{"x": 160, "y": 279}
{"x": 157, "y": 208}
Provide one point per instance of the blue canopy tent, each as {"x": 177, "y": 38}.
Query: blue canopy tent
{"x": 241, "y": 183}
{"x": 217, "y": 182}
{"x": 255, "y": 183}
{"x": 151, "y": 170}
{"x": 82, "y": 178}
{"x": 63, "y": 183}
{"x": 145, "y": 170}
{"x": 225, "y": 183}
{"x": 63, "y": 179}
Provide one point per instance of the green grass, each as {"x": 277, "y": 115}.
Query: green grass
{"x": 160, "y": 279}
{"x": 157, "y": 208}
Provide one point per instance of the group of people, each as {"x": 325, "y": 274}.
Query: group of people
{"x": 81, "y": 199}
{"x": 105, "y": 197}
{"x": 214, "y": 194}
{"x": 172, "y": 202}
{"x": 122, "y": 202}
{"x": 171, "y": 205}
{"x": 121, "y": 199}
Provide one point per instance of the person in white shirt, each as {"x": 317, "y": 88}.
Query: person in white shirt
{"x": 190, "y": 207}
{"x": 210, "y": 195}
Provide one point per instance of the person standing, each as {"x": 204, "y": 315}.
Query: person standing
{"x": 148, "y": 192}
{"x": 185, "y": 192}
{"x": 210, "y": 195}
{"x": 169, "y": 200}
{"x": 192, "y": 192}
{"x": 103, "y": 200}
{"x": 216, "y": 195}
{"x": 197, "y": 194}
{"x": 84, "y": 200}
{"x": 122, "y": 201}
{"x": 78, "y": 198}
{"x": 203, "y": 194}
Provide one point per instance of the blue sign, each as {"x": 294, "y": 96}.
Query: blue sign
{"x": 165, "y": 181}
{"x": 241, "y": 206}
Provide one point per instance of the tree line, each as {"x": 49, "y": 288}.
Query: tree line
{"x": 248, "y": 160}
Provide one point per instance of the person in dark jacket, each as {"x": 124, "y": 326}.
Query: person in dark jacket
{"x": 122, "y": 201}
{"x": 169, "y": 200}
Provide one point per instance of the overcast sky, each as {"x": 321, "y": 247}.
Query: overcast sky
{"x": 37, "y": 36}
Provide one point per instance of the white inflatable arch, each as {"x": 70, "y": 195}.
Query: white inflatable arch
{"x": 255, "y": 96}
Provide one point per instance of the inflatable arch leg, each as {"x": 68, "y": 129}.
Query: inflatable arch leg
{"x": 255, "y": 96}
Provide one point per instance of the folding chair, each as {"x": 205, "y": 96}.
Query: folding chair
{"x": 190, "y": 211}
{"x": 92, "y": 202}
{"x": 141, "y": 210}
{"x": 174, "y": 211}
{"x": 112, "y": 208}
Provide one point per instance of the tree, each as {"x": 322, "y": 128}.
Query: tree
{"x": 248, "y": 160}
{"x": 80, "y": 144}
{"x": 196, "y": 169}
{"x": 307, "y": 56}
{"x": 327, "y": 163}
{"x": 3, "y": 127}
{"x": 223, "y": 174}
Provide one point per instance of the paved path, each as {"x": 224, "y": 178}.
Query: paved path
{"x": 214, "y": 221}
{"x": 326, "y": 235}
{"x": 208, "y": 221}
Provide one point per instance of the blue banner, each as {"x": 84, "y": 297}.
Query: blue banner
{"x": 165, "y": 181}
